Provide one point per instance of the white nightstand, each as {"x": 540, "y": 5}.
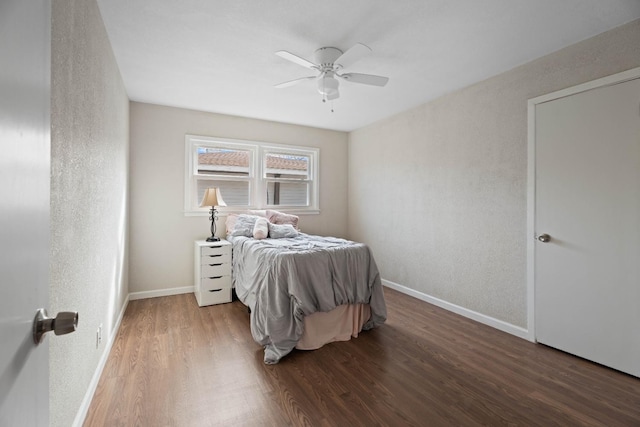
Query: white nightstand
{"x": 212, "y": 272}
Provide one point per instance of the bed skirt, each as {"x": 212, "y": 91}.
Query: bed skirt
{"x": 339, "y": 324}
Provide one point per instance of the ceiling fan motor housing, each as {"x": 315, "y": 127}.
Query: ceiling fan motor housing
{"x": 326, "y": 56}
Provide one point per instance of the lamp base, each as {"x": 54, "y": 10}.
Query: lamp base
{"x": 213, "y": 239}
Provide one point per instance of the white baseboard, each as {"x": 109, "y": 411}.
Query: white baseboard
{"x": 161, "y": 293}
{"x": 473, "y": 315}
{"x": 88, "y": 397}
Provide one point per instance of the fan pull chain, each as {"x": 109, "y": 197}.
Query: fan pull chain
{"x": 324, "y": 99}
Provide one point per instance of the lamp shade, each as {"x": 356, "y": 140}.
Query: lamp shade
{"x": 212, "y": 197}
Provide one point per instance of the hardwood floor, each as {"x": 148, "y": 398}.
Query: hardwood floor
{"x": 175, "y": 364}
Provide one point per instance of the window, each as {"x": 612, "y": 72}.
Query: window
{"x": 287, "y": 179}
{"x": 251, "y": 175}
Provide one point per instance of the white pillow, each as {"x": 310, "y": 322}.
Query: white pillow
{"x": 258, "y": 212}
{"x": 261, "y": 228}
{"x": 282, "y": 231}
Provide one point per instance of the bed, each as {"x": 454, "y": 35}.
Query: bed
{"x": 305, "y": 291}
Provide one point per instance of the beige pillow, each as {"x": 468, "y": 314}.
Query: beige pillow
{"x": 230, "y": 223}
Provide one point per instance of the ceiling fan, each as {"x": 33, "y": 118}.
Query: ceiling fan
{"x": 329, "y": 61}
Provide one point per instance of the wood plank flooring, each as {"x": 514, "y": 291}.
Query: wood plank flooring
{"x": 176, "y": 364}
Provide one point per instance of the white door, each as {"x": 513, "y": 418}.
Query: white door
{"x": 587, "y": 276}
{"x": 25, "y": 38}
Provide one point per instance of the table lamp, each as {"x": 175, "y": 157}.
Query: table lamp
{"x": 213, "y": 197}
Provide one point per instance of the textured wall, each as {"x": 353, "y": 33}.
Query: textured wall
{"x": 161, "y": 252}
{"x": 439, "y": 192}
{"x": 89, "y": 174}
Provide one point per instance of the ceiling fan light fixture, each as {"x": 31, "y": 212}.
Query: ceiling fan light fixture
{"x": 328, "y": 85}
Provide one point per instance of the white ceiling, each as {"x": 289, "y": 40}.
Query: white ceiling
{"x": 218, "y": 55}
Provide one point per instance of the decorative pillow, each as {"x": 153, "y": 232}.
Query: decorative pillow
{"x": 282, "y": 231}
{"x": 261, "y": 228}
{"x": 277, "y": 217}
{"x": 244, "y": 225}
{"x": 257, "y": 212}
{"x": 230, "y": 223}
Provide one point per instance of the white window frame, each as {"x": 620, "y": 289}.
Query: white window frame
{"x": 257, "y": 174}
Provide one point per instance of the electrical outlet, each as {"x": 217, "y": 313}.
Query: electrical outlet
{"x": 99, "y": 336}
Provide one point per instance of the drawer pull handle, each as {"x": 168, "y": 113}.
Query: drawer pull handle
{"x": 215, "y": 290}
{"x": 213, "y": 265}
{"x": 213, "y": 256}
{"x": 215, "y": 277}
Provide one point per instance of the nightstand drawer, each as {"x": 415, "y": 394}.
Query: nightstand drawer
{"x": 215, "y": 250}
{"x": 215, "y": 282}
{"x": 213, "y": 296}
{"x": 215, "y": 269}
{"x": 216, "y": 258}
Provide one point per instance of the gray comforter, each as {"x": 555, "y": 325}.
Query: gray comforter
{"x": 283, "y": 280}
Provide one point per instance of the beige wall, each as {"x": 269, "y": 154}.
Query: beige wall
{"x": 439, "y": 192}
{"x": 89, "y": 180}
{"x": 161, "y": 251}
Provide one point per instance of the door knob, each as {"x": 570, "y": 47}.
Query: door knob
{"x": 544, "y": 238}
{"x": 64, "y": 323}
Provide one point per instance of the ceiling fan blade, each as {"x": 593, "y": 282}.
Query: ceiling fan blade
{"x": 352, "y": 55}
{"x": 294, "y": 82}
{"x": 367, "y": 79}
{"x": 296, "y": 59}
